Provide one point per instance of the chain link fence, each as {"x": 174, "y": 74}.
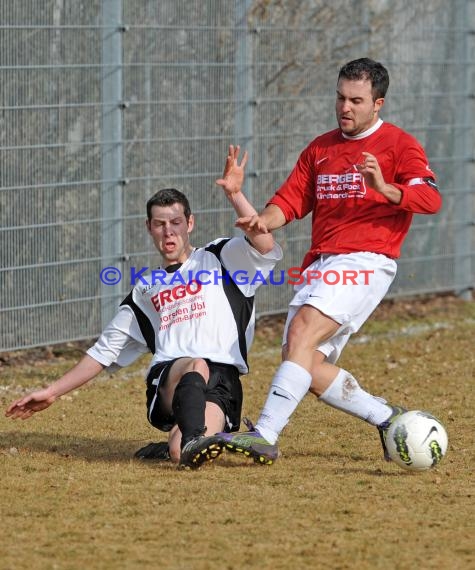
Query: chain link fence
{"x": 103, "y": 103}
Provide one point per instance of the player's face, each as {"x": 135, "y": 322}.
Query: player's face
{"x": 356, "y": 111}
{"x": 170, "y": 231}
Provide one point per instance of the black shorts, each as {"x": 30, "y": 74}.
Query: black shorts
{"x": 223, "y": 388}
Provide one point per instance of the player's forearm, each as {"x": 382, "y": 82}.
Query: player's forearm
{"x": 391, "y": 193}
{"x": 422, "y": 198}
{"x": 273, "y": 217}
{"x": 263, "y": 242}
{"x": 84, "y": 371}
{"x": 241, "y": 205}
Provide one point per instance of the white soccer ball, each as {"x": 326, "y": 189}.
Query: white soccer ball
{"x": 416, "y": 440}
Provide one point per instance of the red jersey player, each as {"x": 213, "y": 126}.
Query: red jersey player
{"x": 362, "y": 182}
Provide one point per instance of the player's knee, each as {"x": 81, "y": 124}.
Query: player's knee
{"x": 201, "y": 366}
{"x": 300, "y": 335}
{"x": 309, "y": 330}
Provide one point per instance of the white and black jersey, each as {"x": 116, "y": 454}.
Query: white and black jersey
{"x": 203, "y": 308}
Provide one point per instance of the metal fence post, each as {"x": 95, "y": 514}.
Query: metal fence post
{"x": 244, "y": 93}
{"x": 112, "y": 174}
{"x": 463, "y": 205}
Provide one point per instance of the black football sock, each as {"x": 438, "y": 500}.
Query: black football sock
{"x": 189, "y": 403}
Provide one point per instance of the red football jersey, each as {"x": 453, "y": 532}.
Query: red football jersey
{"x": 347, "y": 215}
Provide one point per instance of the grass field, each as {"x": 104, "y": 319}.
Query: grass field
{"x": 72, "y": 496}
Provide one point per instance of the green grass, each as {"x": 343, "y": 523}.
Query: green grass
{"x": 73, "y": 497}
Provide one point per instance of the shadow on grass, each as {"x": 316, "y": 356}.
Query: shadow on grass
{"x": 91, "y": 449}
{"x": 122, "y": 451}
{"x": 96, "y": 450}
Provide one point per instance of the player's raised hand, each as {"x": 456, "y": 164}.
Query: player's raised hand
{"x": 25, "y": 407}
{"x": 233, "y": 175}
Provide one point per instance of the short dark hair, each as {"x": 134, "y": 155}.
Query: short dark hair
{"x": 167, "y": 197}
{"x": 367, "y": 69}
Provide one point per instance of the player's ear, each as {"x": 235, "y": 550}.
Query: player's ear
{"x": 378, "y": 104}
{"x": 191, "y": 223}
{"x": 147, "y": 223}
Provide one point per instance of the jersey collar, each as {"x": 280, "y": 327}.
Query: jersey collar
{"x": 173, "y": 267}
{"x": 176, "y": 266}
{"x": 365, "y": 134}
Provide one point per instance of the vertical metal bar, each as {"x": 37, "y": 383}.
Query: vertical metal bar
{"x": 365, "y": 27}
{"x": 111, "y": 197}
{"x": 463, "y": 207}
{"x": 244, "y": 93}
{"x": 150, "y": 46}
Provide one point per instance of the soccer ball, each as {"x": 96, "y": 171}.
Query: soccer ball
{"x": 416, "y": 440}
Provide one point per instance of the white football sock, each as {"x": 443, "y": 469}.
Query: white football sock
{"x": 345, "y": 394}
{"x": 289, "y": 386}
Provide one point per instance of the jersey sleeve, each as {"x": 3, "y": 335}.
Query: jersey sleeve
{"x": 415, "y": 179}
{"x": 121, "y": 342}
{"x": 296, "y": 196}
{"x": 247, "y": 266}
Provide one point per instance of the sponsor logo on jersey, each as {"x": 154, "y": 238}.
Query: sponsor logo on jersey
{"x": 350, "y": 184}
{"x": 162, "y": 298}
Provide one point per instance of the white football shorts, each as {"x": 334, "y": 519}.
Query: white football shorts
{"x": 347, "y": 288}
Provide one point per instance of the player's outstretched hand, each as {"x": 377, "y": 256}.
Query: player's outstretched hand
{"x": 233, "y": 175}
{"x": 25, "y": 407}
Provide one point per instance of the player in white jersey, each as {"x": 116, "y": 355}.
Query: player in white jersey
{"x": 195, "y": 314}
